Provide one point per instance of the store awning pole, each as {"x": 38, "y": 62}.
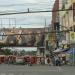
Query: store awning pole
{"x": 73, "y": 56}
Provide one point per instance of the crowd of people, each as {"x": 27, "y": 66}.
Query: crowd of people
{"x": 54, "y": 61}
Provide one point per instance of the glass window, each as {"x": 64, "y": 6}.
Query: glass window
{"x": 74, "y": 28}
{"x": 74, "y": 12}
{"x": 64, "y": 2}
{"x": 71, "y": 28}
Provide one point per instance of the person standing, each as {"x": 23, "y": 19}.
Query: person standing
{"x": 48, "y": 61}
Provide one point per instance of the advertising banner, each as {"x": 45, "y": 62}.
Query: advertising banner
{"x": 72, "y": 37}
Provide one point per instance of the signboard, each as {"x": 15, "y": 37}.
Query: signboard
{"x": 25, "y": 40}
{"x": 72, "y": 37}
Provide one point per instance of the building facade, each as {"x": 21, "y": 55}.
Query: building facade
{"x": 55, "y": 19}
{"x": 67, "y": 19}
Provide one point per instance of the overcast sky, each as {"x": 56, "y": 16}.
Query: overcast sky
{"x": 25, "y": 20}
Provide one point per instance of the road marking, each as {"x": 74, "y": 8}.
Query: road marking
{"x": 6, "y": 74}
{"x": 59, "y": 69}
{"x": 3, "y": 74}
{"x": 32, "y": 70}
{"x": 11, "y": 74}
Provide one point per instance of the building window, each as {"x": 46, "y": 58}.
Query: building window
{"x": 64, "y": 2}
{"x": 73, "y": 18}
{"x": 71, "y": 28}
{"x": 74, "y": 28}
{"x": 63, "y": 6}
{"x": 74, "y": 12}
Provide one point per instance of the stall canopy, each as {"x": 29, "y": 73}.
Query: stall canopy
{"x": 58, "y": 50}
{"x": 71, "y": 51}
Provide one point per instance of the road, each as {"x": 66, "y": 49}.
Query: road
{"x": 36, "y": 70}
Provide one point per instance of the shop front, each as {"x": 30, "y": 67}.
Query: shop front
{"x": 71, "y": 56}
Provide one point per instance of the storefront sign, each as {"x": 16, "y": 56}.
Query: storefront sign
{"x": 72, "y": 37}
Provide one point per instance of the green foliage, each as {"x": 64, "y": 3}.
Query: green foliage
{"x": 22, "y": 52}
{"x": 7, "y": 52}
{"x": 31, "y": 53}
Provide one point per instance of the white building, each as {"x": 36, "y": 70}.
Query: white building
{"x": 67, "y": 19}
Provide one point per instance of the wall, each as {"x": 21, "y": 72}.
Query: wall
{"x": 67, "y": 17}
{"x": 55, "y": 14}
{"x": 52, "y": 37}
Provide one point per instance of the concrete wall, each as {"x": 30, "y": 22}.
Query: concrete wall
{"x": 55, "y": 14}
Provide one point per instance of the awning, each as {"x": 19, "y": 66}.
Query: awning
{"x": 71, "y": 51}
{"x": 65, "y": 50}
{"x": 58, "y": 50}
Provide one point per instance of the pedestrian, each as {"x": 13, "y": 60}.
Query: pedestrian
{"x": 58, "y": 61}
{"x": 42, "y": 61}
{"x": 48, "y": 61}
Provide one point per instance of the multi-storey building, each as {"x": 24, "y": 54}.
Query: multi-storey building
{"x": 67, "y": 19}
{"x": 55, "y": 19}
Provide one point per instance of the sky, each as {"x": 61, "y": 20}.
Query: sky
{"x": 34, "y": 20}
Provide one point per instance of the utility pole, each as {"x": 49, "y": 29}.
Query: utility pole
{"x": 1, "y": 28}
{"x": 9, "y": 23}
{"x": 45, "y": 38}
{"x": 15, "y": 22}
{"x": 73, "y": 29}
{"x": 1, "y": 23}
{"x": 28, "y": 10}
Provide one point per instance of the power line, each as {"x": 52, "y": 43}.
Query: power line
{"x": 46, "y": 8}
{"x": 28, "y": 12}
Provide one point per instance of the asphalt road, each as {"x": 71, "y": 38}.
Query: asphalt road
{"x": 36, "y": 70}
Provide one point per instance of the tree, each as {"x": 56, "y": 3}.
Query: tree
{"x": 22, "y": 52}
{"x": 31, "y": 52}
{"x": 14, "y": 52}
{"x": 7, "y": 52}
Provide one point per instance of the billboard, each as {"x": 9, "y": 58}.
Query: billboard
{"x": 25, "y": 40}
